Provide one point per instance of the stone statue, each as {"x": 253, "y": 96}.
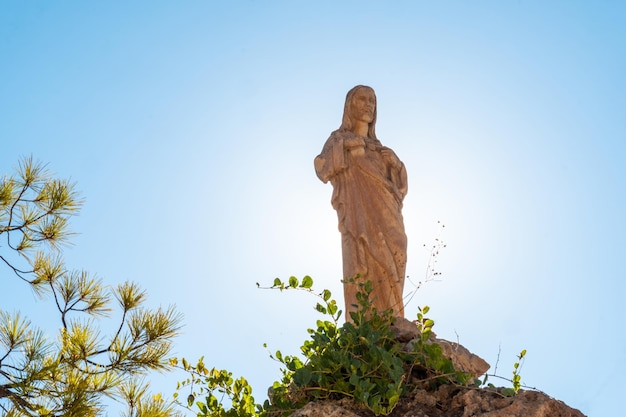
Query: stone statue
{"x": 369, "y": 185}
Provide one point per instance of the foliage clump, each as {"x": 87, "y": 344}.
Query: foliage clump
{"x": 214, "y": 385}
{"x": 362, "y": 359}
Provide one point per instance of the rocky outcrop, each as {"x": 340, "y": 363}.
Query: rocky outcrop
{"x": 451, "y": 401}
{"x": 448, "y": 400}
{"x": 463, "y": 360}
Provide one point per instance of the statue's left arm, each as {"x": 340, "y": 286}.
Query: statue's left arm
{"x": 396, "y": 171}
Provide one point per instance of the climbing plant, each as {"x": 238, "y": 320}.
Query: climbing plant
{"x": 362, "y": 359}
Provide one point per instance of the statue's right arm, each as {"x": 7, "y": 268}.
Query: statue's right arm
{"x": 332, "y": 159}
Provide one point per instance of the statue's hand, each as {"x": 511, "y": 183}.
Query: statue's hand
{"x": 390, "y": 158}
{"x": 354, "y": 142}
{"x": 355, "y": 145}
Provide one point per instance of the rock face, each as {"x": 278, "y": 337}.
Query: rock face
{"x": 462, "y": 359}
{"x": 451, "y": 401}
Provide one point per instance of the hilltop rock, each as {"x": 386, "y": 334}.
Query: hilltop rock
{"x": 462, "y": 359}
{"x": 451, "y": 401}
{"x": 448, "y": 400}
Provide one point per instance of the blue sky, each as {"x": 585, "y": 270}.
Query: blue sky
{"x": 191, "y": 128}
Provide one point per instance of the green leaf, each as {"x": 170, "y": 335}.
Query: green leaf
{"x": 332, "y": 308}
{"x": 293, "y": 282}
{"x": 307, "y": 282}
{"x": 303, "y": 376}
{"x": 508, "y": 392}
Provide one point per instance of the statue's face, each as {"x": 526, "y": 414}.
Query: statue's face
{"x": 363, "y": 105}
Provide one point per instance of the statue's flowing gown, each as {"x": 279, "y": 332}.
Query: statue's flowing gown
{"x": 368, "y": 189}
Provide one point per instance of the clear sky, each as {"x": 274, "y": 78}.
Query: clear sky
{"x": 191, "y": 128}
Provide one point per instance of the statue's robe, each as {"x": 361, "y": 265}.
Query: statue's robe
{"x": 369, "y": 186}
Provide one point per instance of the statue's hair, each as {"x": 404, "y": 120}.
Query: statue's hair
{"x": 347, "y": 121}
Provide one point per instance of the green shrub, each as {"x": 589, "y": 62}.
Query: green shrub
{"x": 362, "y": 359}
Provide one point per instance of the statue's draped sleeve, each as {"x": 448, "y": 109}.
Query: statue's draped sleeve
{"x": 398, "y": 177}
{"x": 332, "y": 160}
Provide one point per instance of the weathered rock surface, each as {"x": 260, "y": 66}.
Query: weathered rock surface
{"x": 451, "y": 401}
{"x": 462, "y": 359}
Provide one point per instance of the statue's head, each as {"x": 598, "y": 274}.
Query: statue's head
{"x": 360, "y": 105}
